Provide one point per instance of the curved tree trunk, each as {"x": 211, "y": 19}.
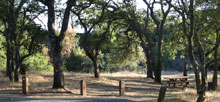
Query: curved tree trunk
{"x": 148, "y": 60}
{"x": 96, "y": 68}
{"x": 194, "y": 64}
{"x": 147, "y": 48}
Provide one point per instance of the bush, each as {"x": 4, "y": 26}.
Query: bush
{"x": 2, "y": 53}
{"x": 78, "y": 63}
{"x": 38, "y": 62}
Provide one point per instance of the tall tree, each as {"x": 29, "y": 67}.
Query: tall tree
{"x": 95, "y": 19}
{"x": 55, "y": 40}
{"x": 10, "y": 19}
{"x": 159, "y": 21}
{"x": 133, "y": 19}
{"x": 19, "y": 36}
{"x": 192, "y": 24}
{"x": 212, "y": 26}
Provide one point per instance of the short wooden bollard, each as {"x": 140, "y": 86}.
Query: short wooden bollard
{"x": 83, "y": 87}
{"x": 121, "y": 88}
{"x": 162, "y": 94}
{"x": 25, "y": 89}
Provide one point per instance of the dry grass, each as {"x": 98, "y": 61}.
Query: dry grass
{"x": 138, "y": 88}
{"x": 190, "y": 94}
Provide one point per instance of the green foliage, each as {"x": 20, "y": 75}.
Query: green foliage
{"x": 2, "y": 53}
{"x": 166, "y": 59}
{"x": 38, "y": 62}
{"x": 118, "y": 48}
{"x": 125, "y": 48}
{"x": 79, "y": 63}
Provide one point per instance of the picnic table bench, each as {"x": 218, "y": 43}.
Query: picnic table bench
{"x": 182, "y": 80}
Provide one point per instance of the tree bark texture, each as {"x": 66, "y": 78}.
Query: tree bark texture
{"x": 148, "y": 60}
{"x": 215, "y": 75}
{"x": 58, "y": 69}
{"x": 159, "y": 56}
{"x": 186, "y": 66}
{"x": 96, "y": 68}
{"x": 203, "y": 69}
{"x": 17, "y": 62}
{"x": 9, "y": 65}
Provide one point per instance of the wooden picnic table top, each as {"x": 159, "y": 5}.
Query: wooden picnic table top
{"x": 177, "y": 77}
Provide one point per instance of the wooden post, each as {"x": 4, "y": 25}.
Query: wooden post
{"x": 83, "y": 87}
{"x": 121, "y": 88}
{"x": 162, "y": 94}
{"x": 25, "y": 89}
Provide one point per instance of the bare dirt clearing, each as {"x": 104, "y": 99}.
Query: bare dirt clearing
{"x": 105, "y": 89}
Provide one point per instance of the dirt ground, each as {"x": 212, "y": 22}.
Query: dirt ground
{"x": 138, "y": 87}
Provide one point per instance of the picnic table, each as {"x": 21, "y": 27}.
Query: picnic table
{"x": 177, "y": 79}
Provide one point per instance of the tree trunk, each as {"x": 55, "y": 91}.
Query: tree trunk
{"x": 186, "y": 67}
{"x": 96, "y": 68}
{"x": 55, "y": 40}
{"x": 151, "y": 55}
{"x": 16, "y": 76}
{"x": 17, "y": 62}
{"x": 191, "y": 55}
{"x": 9, "y": 56}
{"x": 58, "y": 69}
{"x": 148, "y": 60}
{"x": 159, "y": 55}
{"x": 200, "y": 87}
{"x": 215, "y": 75}
{"x": 55, "y": 48}
{"x": 194, "y": 64}
{"x": 147, "y": 48}
{"x": 149, "y": 68}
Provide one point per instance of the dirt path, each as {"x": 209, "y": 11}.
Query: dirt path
{"x": 105, "y": 89}
{"x": 19, "y": 98}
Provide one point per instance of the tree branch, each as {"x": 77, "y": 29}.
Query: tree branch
{"x": 65, "y": 23}
{"x": 157, "y": 22}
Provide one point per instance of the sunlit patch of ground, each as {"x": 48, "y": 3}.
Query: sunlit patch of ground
{"x": 138, "y": 87}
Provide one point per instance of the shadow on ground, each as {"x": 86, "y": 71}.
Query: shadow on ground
{"x": 17, "y": 98}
